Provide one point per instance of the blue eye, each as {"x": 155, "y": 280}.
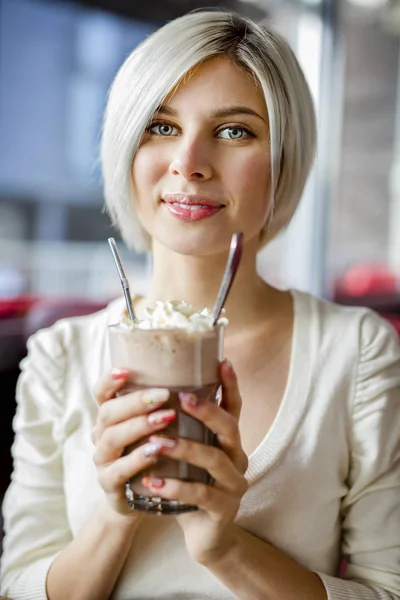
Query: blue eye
{"x": 163, "y": 129}
{"x": 233, "y": 133}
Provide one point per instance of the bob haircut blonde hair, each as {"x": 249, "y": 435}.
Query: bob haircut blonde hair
{"x": 155, "y": 68}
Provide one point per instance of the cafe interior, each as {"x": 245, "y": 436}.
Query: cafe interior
{"x": 57, "y": 60}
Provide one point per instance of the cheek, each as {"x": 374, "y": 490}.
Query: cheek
{"x": 146, "y": 171}
{"x": 253, "y": 179}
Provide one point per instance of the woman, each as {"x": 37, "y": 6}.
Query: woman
{"x": 211, "y": 111}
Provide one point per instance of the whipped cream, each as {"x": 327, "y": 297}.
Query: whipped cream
{"x": 175, "y": 314}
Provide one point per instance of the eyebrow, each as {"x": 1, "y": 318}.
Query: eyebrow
{"x": 220, "y": 113}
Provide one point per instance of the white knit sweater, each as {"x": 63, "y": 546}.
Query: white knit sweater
{"x": 324, "y": 482}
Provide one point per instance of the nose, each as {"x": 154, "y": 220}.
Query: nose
{"x": 191, "y": 161}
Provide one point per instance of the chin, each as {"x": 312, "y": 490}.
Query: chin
{"x": 205, "y": 243}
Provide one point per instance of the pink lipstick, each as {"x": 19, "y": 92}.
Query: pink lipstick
{"x": 187, "y": 207}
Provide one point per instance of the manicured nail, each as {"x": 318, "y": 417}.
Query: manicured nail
{"x": 151, "y": 449}
{"x": 161, "y": 416}
{"x": 155, "y": 396}
{"x": 117, "y": 374}
{"x": 164, "y": 442}
{"x": 153, "y": 482}
{"x": 189, "y": 399}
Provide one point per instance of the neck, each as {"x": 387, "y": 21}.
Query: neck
{"x": 197, "y": 279}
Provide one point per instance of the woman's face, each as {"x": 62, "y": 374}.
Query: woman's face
{"x": 202, "y": 171}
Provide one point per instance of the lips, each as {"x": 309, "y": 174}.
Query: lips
{"x": 191, "y": 207}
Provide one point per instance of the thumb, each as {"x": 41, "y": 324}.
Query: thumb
{"x": 231, "y": 398}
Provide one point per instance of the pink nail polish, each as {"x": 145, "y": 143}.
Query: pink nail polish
{"x": 161, "y": 416}
{"x": 117, "y": 374}
{"x": 189, "y": 399}
{"x": 153, "y": 482}
{"x": 155, "y": 396}
{"x": 164, "y": 442}
{"x": 151, "y": 449}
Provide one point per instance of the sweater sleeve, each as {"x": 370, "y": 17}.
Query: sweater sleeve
{"x": 35, "y": 520}
{"x": 371, "y": 508}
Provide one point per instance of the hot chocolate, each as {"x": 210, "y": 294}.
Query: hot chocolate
{"x": 178, "y": 349}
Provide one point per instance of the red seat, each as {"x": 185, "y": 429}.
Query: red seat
{"x": 46, "y": 311}
{"x": 394, "y": 320}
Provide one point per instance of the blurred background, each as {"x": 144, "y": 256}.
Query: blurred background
{"x": 57, "y": 60}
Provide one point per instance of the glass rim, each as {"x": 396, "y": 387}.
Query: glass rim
{"x": 217, "y": 327}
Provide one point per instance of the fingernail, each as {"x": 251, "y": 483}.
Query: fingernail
{"x": 119, "y": 374}
{"x": 151, "y": 449}
{"x": 189, "y": 399}
{"x": 153, "y": 482}
{"x": 161, "y": 416}
{"x": 164, "y": 442}
{"x": 229, "y": 369}
{"x": 155, "y": 396}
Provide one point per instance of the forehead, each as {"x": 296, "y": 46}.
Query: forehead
{"x": 217, "y": 81}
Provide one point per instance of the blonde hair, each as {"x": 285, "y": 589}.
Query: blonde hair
{"x": 159, "y": 63}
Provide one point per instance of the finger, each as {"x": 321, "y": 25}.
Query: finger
{"x": 109, "y": 384}
{"x": 115, "y": 439}
{"x": 206, "y": 497}
{"x": 231, "y": 398}
{"x": 209, "y": 458}
{"x": 222, "y": 423}
{"x": 112, "y": 477}
{"x": 125, "y": 407}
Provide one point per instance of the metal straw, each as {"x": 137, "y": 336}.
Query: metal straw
{"x": 232, "y": 265}
{"x": 123, "y": 278}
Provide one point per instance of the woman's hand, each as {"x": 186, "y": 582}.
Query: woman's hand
{"x": 123, "y": 421}
{"x": 208, "y": 530}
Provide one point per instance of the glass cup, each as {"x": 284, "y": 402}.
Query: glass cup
{"x": 179, "y": 360}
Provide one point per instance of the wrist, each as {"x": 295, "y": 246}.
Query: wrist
{"x": 224, "y": 552}
{"x": 111, "y": 518}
